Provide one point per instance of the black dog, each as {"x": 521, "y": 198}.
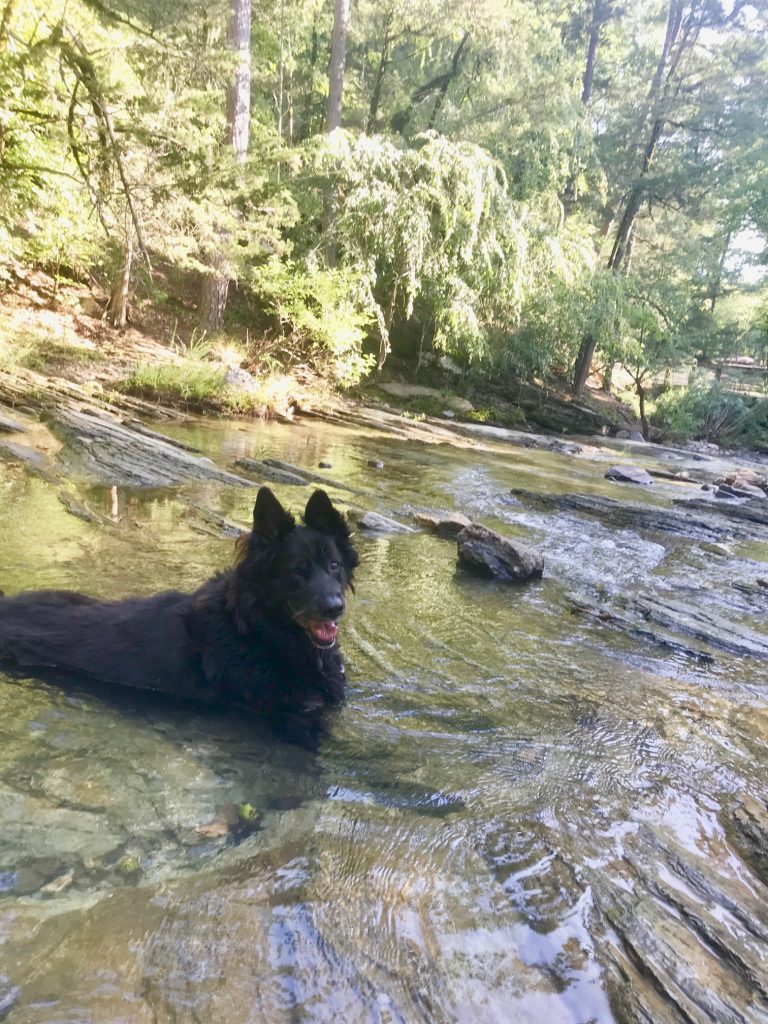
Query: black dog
{"x": 261, "y": 635}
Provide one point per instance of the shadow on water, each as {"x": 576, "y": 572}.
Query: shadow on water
{"x": 521, "y": 814}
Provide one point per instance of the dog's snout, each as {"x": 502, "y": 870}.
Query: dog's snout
{"x": 332, "y": 606}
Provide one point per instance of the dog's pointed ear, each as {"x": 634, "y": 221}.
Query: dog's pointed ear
{"x": 321, "y": 515}
{"x": 270, "y": 520}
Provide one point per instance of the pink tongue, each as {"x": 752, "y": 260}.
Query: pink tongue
{"x": 325, "y": 632}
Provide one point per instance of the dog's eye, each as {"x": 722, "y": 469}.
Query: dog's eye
{"x": 334, "y": 566}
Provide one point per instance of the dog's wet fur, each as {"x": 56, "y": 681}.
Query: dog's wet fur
{"x": 260, "y": 636}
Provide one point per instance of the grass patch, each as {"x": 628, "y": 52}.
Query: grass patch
{"x": 508, "y": 416}
{"x": 35, "y": 350}
{"x": 202, "y": 387}
{"x": 192, "y": 382}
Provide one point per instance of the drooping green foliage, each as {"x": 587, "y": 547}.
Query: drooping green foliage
{"x": 516, "y": 183}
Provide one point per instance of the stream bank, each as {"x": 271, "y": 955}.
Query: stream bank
{"x": 545, "y": 802}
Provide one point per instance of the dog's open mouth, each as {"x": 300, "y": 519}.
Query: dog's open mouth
{"x": 322, "y": 634}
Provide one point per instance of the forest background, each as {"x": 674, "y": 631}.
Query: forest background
{"x": 560, "y": 190}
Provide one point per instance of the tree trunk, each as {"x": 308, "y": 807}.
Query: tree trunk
{"x": 678, "y": 39}
{"x": 239, "y": 91}
{"x": 214, "y": 286}
{"x": 447, "y": 79}
{"x": 621, "y": 242}
{"x": 715, "y": 291}
{"x": 373, "y": 109}
{"x": 600, "y": 14}
{"x": 335, "y": 95}
{"x": 279, "y": 95}
{"x": 214, "y": 291}
{"x": 644, "y": 426}
{"x": 290, "y": 95}
{"x": 5, "y": 23}
{"x": 583, "y": 363}
{"x": 117, "y": 310}
{"x": 598, "y": 20}
{"x": 338, "y": 60}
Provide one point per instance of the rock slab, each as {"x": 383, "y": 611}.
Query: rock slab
{"x": 446, "y": 524}
{"x": 629, "y": 475}
{"x": 101, "y": 448}
{"x": 488, "y": 553}
{"x": 377, "y": 523}
{"x": 454, "y": 402}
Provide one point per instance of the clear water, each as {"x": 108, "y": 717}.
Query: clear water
{"x": 520, "y": 815}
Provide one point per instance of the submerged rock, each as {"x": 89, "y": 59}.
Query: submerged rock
{"x": 688, "y": 938}
{"x": 624, "y": 515}
{"x": 271, "y": 473}
{"x": 488, "y": 553}
{"x": 753, "y": 511}
{"x": 727, "y": 493}
{"x": 638, "y": 628}
{"x": 308, "y": 476}
{"x": 677, "y": 624}
{"x": 750, "y": 819}
{"x": 629, "y": 475}
{"x": 702, "y": 623}
{"x": 9, "y": 995}
{"x": 35, "y": 459}
{"x": 11, "y": 426}
{"x": 377, "y": 523}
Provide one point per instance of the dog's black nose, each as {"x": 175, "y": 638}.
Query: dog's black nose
{"x": 331, "y": 606}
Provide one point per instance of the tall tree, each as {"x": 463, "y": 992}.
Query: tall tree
{"x": 335, "y": 100}
{"x": 338, "y": 60}
{"x": 214, "y": 286}
{"x": 677, "y": 108}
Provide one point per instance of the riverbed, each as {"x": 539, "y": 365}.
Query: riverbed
{"x": 527, "y": 811}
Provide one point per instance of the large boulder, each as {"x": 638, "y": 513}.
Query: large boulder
{"x": 488, "y": 553}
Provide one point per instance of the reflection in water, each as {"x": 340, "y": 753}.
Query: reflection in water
{"x": 519, "y": 816}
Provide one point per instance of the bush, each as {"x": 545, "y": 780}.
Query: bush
{"x": 324, "y": 315}
{"x": 705, "y": 412}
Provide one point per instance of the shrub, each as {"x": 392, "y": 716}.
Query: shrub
{"x": 705, "y": 412}
{"x": 324, "y": 315}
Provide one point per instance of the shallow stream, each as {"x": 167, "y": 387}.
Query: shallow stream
{"x": 522, "y": 814}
